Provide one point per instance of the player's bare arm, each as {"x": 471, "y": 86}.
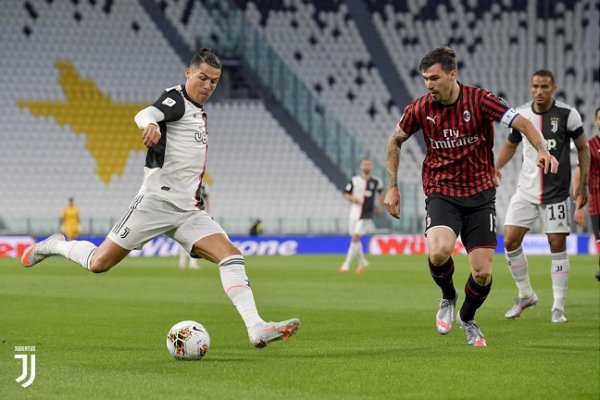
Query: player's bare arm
{"x": 578, "y": 215}
{"x": 392, "y": 196}
{"x": 506, "y": 154}
{"x": 544, "y": 160}
{"x": 584, "y": 158}
{"x": 351, "y": 198}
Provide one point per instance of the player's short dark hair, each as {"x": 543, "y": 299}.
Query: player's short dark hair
{"x": 206, "y": 56}
{"x": 596, "y": 113}
{"x": 444, "y": 56}
{"x": 545, "y": 73}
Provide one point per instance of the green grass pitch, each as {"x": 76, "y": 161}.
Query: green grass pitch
{"x": 362, "y": 337}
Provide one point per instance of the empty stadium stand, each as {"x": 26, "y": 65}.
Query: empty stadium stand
{"x": 74, "y": 72}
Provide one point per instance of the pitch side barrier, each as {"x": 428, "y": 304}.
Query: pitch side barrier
{"x": 14, "y": 246}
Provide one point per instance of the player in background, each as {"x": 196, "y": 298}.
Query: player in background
{"x": 256, "y": 228}
{"x": 593, "y": 188}
{"x": 544, "y": 197}
{"x": 185, "y": 258}
{"x": 69, "y": 220}
{"x": 458, "y": 180}
{"x": 174, "y": 129}
{"x": 361, "y": 192}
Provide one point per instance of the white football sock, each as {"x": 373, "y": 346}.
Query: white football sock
{"x": 560, "y": 279}
{"x": 182, "y": 257}
{"x": 236, "y": 286}
{"x": 350, "y": 254}
{"x": 361, "y": 254}
{"x": 518, "y": 267}
{"x": 78, "y": 251}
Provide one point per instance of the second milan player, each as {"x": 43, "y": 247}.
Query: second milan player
{"x": 593, "y": 188}
{"x": 458, "y": 180}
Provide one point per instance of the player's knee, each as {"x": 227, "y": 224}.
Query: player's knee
{"x": 355, "y": 237}
{"x": 438, "y": 257}
{"x": 99, "y": 265}
{"x": 482, "y": 277}
{"x": 511, "y": 244}
{"x": 557, "y": 244}
{"x": 439, "y": 252}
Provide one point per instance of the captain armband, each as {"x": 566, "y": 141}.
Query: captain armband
{"x": 508, "y": 117}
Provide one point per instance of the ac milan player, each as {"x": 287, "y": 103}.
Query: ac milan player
{"x": 458, "y": 180}
{"x": 593, "y": 188}
{"x": 543, "y": 197}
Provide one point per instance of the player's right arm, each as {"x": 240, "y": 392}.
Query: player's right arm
{"x": 544, "y": 160}
{"x": 392, "y": 196}
{"x": 170, "y": 106}
{"x": 578, "y": 215}
{"x": 147, "y": 120}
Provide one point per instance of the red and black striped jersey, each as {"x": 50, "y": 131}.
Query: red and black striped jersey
{"x": 459, "y": 139}
{"x": 594, "y": 176}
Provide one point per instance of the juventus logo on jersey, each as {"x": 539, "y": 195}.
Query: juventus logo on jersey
{"x": 125, "y": 233}
{"x": 554, "y": 124}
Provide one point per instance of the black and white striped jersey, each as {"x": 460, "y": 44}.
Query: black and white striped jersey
{"x": 366, "y": 190}
{"x": 559, "y": 125}
{"x": 175, "y": 166}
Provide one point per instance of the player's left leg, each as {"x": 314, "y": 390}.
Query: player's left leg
{"x": 479, "y": 238}
{"x": 560, "y": 274}
{"x": 362, "y": 229}
{"x": 355, "y": 247}
{"x": 351, "y": 254}
{"x": 555, "y": 218}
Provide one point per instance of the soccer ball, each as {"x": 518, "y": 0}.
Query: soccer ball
{"x": 188, "y": 340}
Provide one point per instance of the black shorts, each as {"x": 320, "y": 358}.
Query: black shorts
{"x": 596, "y": 226}
{"x": 474, "y": 217}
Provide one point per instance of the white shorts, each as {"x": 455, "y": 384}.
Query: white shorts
{"x": 359, "y": 226}
{"x": 523, "y": 213}
{"x": 149, "y": 216}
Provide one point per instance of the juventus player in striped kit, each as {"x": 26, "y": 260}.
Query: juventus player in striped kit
{"x": 544, "y": 197}
{"x": 458, "y": 180}
{"x": 169, "y": 202}
{"x": 593, "y": 188}
{"x": 361, "y": 192}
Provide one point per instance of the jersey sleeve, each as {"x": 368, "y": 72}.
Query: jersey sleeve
{"x": 495, "y": 108}
{"x": 574, "y": 124}
{"x": 172, "y": 105}
{"x": 409, "y": 123}
{"x": 348, "y": 188}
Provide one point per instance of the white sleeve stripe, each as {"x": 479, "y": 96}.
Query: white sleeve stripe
{"x": 149, "y": 115}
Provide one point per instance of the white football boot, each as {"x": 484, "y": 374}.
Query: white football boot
{"x": 263, "y": 334}
{"x": 40, "y": 251}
